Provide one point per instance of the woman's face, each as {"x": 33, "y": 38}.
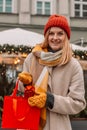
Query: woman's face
{"x": 56, "y": 38}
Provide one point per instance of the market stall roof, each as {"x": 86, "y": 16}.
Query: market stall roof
{"x": 77, "y": 47}
{"x": 19, "y": 36}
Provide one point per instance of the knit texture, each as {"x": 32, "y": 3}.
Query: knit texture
{"x": 58, "y": 21}
{"x": 38, "y": 100}
{"x": 47, "y": 58}
{"x": 25, "y": 78}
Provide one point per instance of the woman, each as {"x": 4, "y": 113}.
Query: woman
{"x": 63, "y": 91}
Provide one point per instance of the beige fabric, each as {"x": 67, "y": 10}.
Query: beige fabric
{"x": 67, "y": 85}
{"x": 49, "y": 56}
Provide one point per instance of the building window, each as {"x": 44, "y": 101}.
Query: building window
{"x": 1, "y": 5}
{"x": 80, "y": 7}
{"x": 39, "y": 7}
{"x": 43, "y": 7}
{"x": 47, "y": 8}
{"x": 6, "y": 6}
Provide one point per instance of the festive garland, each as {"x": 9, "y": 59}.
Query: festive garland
{"x": 6, "y": 48}
{"x": 81, "y": 55}
{"x": 10, "y": 49}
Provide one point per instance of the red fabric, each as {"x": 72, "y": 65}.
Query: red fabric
{"x": 58, "y": 21}
{"x": 18, "y": 114}
{"x": 29, "y": 91}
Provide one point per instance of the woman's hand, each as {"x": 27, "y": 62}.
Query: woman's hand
{"x": 38, "y": 100}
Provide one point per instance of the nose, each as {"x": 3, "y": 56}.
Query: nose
{"x": 55, "y": 36}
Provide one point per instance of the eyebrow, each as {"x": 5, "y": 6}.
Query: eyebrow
{"x": 58, "y": 31}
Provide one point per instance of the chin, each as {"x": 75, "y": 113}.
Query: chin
{"x": 56, "y": 49}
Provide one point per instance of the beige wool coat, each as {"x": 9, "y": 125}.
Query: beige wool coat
{"x": 66, "y": 83}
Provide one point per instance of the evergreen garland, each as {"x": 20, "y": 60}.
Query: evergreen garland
{"x": 6, "y": 48}
{"x": 21, "y": 49}
{"x": 79, "y": 54}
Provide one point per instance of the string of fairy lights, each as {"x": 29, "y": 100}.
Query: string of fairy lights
{"x": 25, "y": 50}
{"x": 9, "y": 49}
{"x": 80, "y": 55}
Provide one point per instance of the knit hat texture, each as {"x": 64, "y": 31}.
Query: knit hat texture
{"x": 58, "y": 21}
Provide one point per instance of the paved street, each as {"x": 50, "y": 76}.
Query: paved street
{"x": 79, "y": 125}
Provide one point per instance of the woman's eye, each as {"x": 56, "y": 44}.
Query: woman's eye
{"x": 51, "y": 33}
{"x": 60, "y": 33}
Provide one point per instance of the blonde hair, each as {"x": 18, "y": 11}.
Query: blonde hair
{"x": 66, "y": 50}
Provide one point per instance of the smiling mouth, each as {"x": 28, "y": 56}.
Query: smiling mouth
{"x": 56, "y": 43}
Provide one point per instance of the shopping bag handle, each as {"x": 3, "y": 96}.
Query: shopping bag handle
{"x": 15, "y": 104}
{"x": 15, "y": 89}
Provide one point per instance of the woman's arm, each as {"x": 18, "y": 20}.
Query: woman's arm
{"x": 74, "y": 102}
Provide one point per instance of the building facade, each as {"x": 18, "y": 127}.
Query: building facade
{"x": 33, "y": 14}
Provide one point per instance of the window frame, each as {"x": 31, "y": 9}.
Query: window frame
{"x": 43, "y": 7}
{"x": 4, "y": 6}
{"x": 81, "y": 11}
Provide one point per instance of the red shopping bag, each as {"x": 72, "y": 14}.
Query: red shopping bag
{"x": 18, "y": 114}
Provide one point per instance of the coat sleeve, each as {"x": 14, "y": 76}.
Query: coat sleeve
{"x": 26, "y": 65}
{"x": 74, "y": 102}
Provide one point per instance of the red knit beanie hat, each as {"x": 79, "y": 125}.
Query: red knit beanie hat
{"x": 58, "y": 21}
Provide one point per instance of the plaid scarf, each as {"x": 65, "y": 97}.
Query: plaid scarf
{"x": 48, "y": 59}
{"x": 41, "y": 86}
